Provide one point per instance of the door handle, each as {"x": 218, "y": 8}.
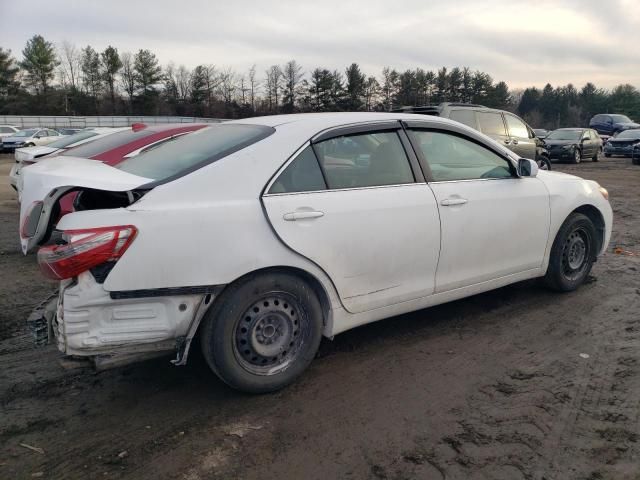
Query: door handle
{"x": 507, "y": 141}
{"x": 293, "y": 216}
{"x": 514, "y": 141}
{"x": 447, "y": 202}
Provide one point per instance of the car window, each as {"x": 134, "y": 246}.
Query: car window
{"x": 71, "y": 139}
{"x": 585, "y": 135}
{"x": 6, "y": 130}
{"x": 364, "y": 160}
{"x": 104, "y": 144}
{"x": 491, "y": 123}
{"x": 191, "y": 152}
{"x": 303, "y": 174}
{"x": 466, "y": 116}
{"x": 455, "y": 158}
{"x": 517, "y": 128}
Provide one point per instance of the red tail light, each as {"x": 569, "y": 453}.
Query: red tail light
{"x": 85, "y": 249}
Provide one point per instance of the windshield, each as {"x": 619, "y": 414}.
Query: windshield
{"x": 25, "y": 133}
{"x": 629, "y": 134}
{"x": 71, "y": 139}
{"x": 107, "y": 143}
{"x": 565, "y": 135}
{"x": 620, "y": 119}
{"x": 191, "y": 152}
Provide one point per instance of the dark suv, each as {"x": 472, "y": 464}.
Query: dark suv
{"x": 502, "y": 126}
{"x": 610, "y": 124}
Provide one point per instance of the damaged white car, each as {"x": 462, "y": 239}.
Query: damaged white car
{"x": 263, "y": 235}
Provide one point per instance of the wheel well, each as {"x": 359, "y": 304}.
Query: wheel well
{"x": 313, "y": 282}
{"x": 598, "y": 221}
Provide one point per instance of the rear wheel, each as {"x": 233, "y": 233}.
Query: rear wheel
{"x": 607, "y": 155}
{"x": 572, "y": 255}
{"x": 595, "y": 155}
{"x": 263, "y": 332}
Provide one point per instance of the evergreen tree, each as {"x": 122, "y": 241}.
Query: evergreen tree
{"x": 39, "y": 63}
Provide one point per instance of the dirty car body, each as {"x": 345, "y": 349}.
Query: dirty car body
{"x": 265, "y": 234}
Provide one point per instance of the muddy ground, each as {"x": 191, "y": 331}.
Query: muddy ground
{"x": 519, "y": 383}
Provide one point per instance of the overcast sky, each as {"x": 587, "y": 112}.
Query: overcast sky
{"x": 521, "y": 42}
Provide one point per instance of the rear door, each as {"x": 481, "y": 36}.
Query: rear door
{"x": 522, "y": 143}
{"x": 588, "y": 144}
{"x": 357, "y": 205}
{"x": 492, "y": 125}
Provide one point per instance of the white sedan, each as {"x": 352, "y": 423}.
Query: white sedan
{"x": 30, "y": 155}
{"x": 263, "y": 235}
{"x": 30, "y": 137}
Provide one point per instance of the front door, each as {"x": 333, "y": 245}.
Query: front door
{"x": 493, "y": 223}
{"x": 352, "y": 205}
{"x": 522, "y": 143}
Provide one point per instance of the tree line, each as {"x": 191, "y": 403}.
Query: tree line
{"x": 68, "y": 80}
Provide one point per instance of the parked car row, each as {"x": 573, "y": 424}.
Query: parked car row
{"x": 13, "y": 137}
{"x": 504, "y": 127}
{"x": 260, "y": 236}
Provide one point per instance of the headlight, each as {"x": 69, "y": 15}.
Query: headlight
{"x": 567, "y": 147}
{"x": 604, "y": 192}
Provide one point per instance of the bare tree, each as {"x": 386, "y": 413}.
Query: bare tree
{"x": 211, "y": 83}
{"x": 183, "y": 82}
{"x": 274, "y": 85}
{"x": 128, "y": 77}
{"x": 70, "y": 61}
{"x": 243, "y": 89}
{"x": 253, "y": 87}
{"x": 227, "y": 85}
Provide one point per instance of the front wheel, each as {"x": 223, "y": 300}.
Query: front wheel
{"x": 544, "y": 163}
{"x": 577, "y": 155}
{"x": 572, "y": 255}
{"x": 263, "y": 332}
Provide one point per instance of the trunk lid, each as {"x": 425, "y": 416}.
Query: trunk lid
{"x": 44, "y": 183}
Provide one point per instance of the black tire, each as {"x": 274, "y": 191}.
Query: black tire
{"x": 595, "y": 155}
{"x": 572, "y": 255}
{"x": 607, "y": 155}
{"x": 30, "y": 145}
{"x": 544, "y": 163}
{"x": 635, "y": 160}
{"x": 577, "y": 155}
{"x": 234, "y": 340}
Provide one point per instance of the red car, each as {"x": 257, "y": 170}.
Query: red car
{"x": 120, "y": 146}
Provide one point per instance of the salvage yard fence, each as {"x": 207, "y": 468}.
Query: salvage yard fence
{"x": 37, "y": 121}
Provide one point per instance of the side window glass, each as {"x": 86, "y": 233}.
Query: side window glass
{"x": 491, "y": 123}
{"x": 517, "y": 128}
{"x": 301, "y": 175}
{"x": 454, "y": 158}
{"x": 466, "y": 116}
{"x": 365, "y": 160}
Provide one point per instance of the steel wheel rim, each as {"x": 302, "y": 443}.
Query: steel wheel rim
{"x": 269, "y": 336}
{"x": 575, "y": 254}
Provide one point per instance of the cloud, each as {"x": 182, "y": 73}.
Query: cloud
{"x": 521, "y": 42}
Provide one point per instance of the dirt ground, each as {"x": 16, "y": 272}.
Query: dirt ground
{"x": 519, "y": 383}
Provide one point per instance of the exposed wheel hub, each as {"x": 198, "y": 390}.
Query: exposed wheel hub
{"x": 575, "y": 253}
{"x": 269, "y": 334}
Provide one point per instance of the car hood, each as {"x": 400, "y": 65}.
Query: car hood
{"x": 628, "y": 125}
{"x": 30, "y": 153}
{"x": 550, "y": 143}
{"x": 623, "y": 140}
{"x": 45, "y": 183}
{"x": 16, "y": 139}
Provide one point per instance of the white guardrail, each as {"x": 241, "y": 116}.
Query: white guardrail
{"x": 27, "y": 121}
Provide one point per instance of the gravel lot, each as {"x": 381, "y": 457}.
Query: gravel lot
{"x": 497, "y": 386}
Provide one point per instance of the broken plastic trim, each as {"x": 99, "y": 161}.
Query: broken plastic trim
{"x": 165, "y": 292}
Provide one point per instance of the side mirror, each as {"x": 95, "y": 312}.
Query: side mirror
{"x": 527, "y": 168}
{"x": 37, "y": 136}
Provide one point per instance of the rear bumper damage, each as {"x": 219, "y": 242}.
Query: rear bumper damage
{"x": 85, "y": 321}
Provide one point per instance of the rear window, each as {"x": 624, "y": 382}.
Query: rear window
{"x": 630, "y": 134}
{"x": 107, "y": 143}
{"x": 468, "y": 117}
{"x": 491, "y": 123}
{"x": 71, "y": 139}
{"x": 191, "y": 152}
